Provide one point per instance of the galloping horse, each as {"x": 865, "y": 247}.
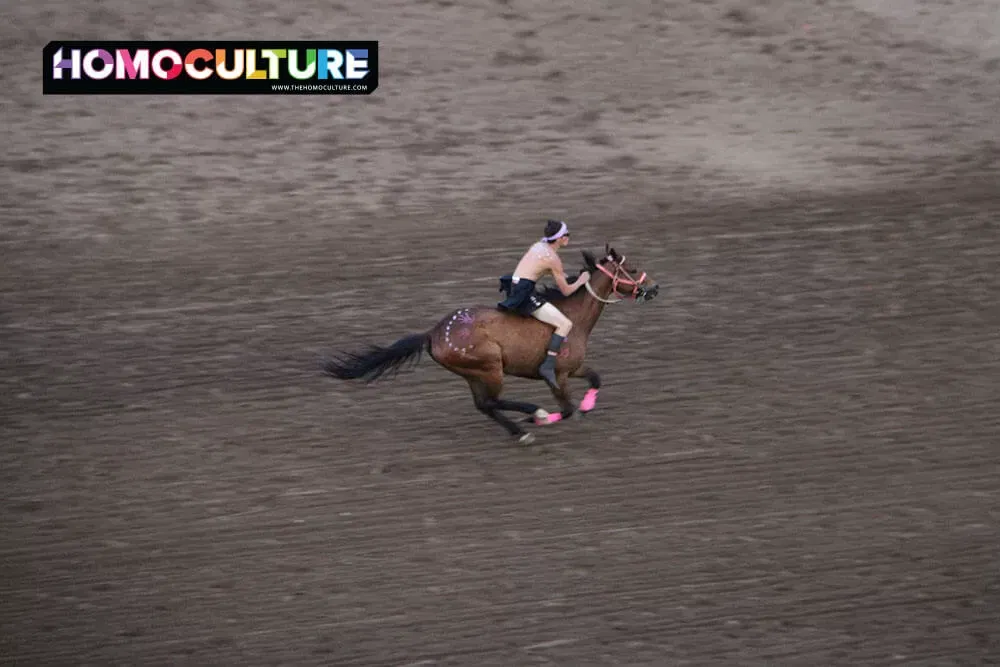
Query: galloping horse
{"x": 483, "y": 344}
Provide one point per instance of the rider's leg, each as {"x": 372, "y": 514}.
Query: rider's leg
{"x": 551, "y": 315}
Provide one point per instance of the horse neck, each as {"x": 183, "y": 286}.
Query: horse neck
{"x": 583, "y": 309}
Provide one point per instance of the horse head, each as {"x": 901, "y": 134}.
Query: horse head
{"x": 626, "y": 280}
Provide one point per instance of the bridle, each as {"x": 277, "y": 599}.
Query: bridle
{"x": 619, "y": 277}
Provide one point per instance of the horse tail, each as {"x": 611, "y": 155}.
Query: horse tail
{"x": 377, "y": 361}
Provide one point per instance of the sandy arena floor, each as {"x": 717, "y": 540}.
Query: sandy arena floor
{"x": 794, "y": 459}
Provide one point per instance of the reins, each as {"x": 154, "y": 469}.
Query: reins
{"x": 615, "y": 280}
{"x": 594, "y": 294}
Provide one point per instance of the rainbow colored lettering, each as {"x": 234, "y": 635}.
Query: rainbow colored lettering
{"x": 209, "y": 67}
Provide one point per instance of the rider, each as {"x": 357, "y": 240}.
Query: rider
{"x": 541, "y": 258}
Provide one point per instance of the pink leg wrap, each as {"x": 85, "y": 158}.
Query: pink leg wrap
{"x": 589, "y": 401}
{"x": 552, "y": 418}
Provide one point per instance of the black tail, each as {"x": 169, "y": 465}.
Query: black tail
{"x": 377, "y": 361}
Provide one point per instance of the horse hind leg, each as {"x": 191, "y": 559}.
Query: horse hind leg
{"x": 516, "y": 406}
{"x": 484, "y": 394}
{"x": 536, "y": 414}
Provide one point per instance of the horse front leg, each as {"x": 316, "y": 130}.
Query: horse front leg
{"x": 562, "y": 396}
{"x": 590, "y": 398}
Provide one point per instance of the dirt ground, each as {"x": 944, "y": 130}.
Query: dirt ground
{"x": 794, "y": 457}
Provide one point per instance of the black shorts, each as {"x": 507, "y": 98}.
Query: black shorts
{"x": 521, "y": 296}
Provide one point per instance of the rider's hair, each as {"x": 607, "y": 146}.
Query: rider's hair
{"x": 552, "y": 227}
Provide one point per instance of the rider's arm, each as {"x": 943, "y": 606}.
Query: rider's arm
{"x": 560, "y": 277}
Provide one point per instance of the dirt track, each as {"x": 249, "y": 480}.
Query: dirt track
{"x": 794, "y": 458}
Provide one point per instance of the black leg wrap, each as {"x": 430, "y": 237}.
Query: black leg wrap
{"x": 548, "y": 368}
{"x": 555, "y": 342}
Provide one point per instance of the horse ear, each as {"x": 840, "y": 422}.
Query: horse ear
{"x": 589, "y": 260}
{"x": 607, "y": 248}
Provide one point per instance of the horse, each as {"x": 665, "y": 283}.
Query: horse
{"x": 482, "y": 344}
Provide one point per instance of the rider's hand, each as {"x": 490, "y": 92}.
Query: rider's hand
{"x": 584, "y": 277}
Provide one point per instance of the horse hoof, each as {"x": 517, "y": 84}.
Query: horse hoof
{"x": 526, "y": 439}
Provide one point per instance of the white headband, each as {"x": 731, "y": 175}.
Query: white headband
{"x": 562, "y": 232}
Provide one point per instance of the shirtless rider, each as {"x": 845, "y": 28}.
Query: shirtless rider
{"x": 542, "y": 258}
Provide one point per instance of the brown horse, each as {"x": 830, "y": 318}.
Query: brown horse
{"x": 483, "y": 344}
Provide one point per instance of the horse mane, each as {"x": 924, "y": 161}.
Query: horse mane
{"x": 553, "y": 294}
